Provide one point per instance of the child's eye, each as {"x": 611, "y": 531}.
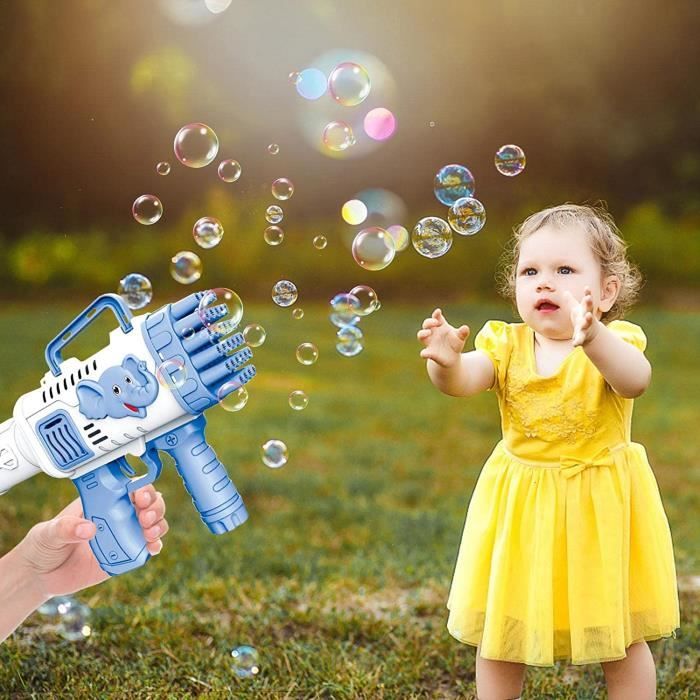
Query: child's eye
{"x": 527, "y": 271}
{"x": 566, "y": 267}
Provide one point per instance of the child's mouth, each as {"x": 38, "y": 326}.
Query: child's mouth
{"x": 547, "y": 308}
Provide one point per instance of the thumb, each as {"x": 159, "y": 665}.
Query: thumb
{"x": 67, "y": 529}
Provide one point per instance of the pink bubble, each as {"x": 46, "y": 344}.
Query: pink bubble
{"x": 379, "y": 124}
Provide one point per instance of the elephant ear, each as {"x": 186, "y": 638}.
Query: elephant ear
{"x": 131, "y": 364}
{"x": 91, "y": 398}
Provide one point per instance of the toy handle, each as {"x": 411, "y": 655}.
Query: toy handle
{"x": 213, "y": 494}
{"x": 119, "y": 544}
{"x": 82, "y": 321}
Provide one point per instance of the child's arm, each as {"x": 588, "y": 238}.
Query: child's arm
{"x": 453, "y": 372}
{"x": 624, "y": 367}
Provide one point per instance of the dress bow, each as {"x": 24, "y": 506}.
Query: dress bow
{"x": 570, "y": 466}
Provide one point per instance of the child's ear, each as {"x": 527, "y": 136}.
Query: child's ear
{"x": 609, "y": 292}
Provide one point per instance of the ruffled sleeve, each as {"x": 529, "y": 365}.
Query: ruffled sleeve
{"x": 630, "y": 333}
{"x": 495, "y": 339}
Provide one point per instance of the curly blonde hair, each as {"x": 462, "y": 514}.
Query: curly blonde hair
{"x": 606, "y": 243}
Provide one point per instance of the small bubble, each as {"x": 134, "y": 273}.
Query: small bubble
{"x": 254, "y": 335}
{"x": 273, "y": 149}
{"x": 298, "y": 400}
{"x": 163, "y": 168}
{"x": 349, "y": 341}
{"x": 432, "y": 237}
{"x": 297, "y": 314}
{"x": 373, "y": 248}
{"x": 467, "y": 216}
{"x": 282, "y": 188}
{"x": 245, "y": 662}
{"x": 229, "y": 170}
{"x": 307, "y": 353}
{"x": 136, "y": 290}
{"x": 274, "y": 214}
{"x": 147, "y": 209}
{"x": 510, "y": 160}
{"x": 320, "y": 242}
{"x": 284, "y": 293}
{"x": 172, "y": 374}
{"x": 232, "y": 399}
{"x": 338, "y": 136}
{"x": 208, "y": 231}
{"x": 273, "y": 235}
{"x": 186, "y": 267}
{"x": 196, "y": 145}
{"x": 274, "y": 454}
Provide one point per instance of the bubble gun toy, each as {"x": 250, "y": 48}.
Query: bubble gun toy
{"x": 87, "y": 415}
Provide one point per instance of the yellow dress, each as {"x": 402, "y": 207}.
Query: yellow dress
{"x": 566, "y": 551}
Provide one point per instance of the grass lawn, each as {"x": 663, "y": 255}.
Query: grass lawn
{"x": 339, "y": 578}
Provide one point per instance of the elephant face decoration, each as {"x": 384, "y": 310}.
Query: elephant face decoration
{"x": 121, "y": 391}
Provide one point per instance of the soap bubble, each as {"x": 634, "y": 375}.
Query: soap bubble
{"x": 274, "y": 214}
{"x": 217, "y": 6}
{"x": 273, "y": 235}
{"x": 58, "y": 605}
{"x": 337, "y": 136}
{"x": 282, "y": 188}
{"x": 373, "y": 248}
{"x": 367, "y": 298}
{"x": 136, "y": 290}
{"x": 74, "y": 624}
{"x": 307, "y": 353}
{"x": 235, "y": 400}
{"x": 147, "y": 209}
{"x": 246, "y": 662}
{"x": 345, "y": 310}
{"x": 379, "y": 124}
{"x": 172, "y": 374}
{"x": 273, "y": 149}
{"x": 254, "y": 335}
{"x": 354, "y": 212}
{"x": 274, "y": 454}
{"x": 185, "y": 267}
{"x": 349, "y": 341}
{"x": 432, "y": 237}
{"x": 210, "y": 308}
{"x": 297, "y": 314}
{"x": 452, "y": 182}
{"x": 320, "y": 242}
{"x": 467, "y": 216}
{"x": 284, "y": 293}
{"x": 163, "y": 168}
{"x": 349, "y": 84}
{"x": 196, "y": 145}
{"x": 311, "y": 84}
{"x": 400, "y": 236}
{"x": 298, "y": 400}
{"x": 208, "y": 231}
{"x": 510, "y": 160}
{"x": 229, "y": 170}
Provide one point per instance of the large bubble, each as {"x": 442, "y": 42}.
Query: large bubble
{"x": 274, "y": 454}
{"x": 196, "y": 145}
{"x": 231, "y": 397}
{"x": 210, "y": 302}
{"x": 510, "y": 160}
{"x": 452, "y": 182}
{"x": 136, "y": 290}
{"x": 432, "y": 237}
{"x": 349, "y": 84}
{"x": 373, "y": 248}
{"x": 208, "y": 231}
{"x": 245, "y": 660}
{"x": 467, "y": 216}
{"x": 186, "y": 267}
{"x": 369, "y": 301}
{"x": 273, "y": 235}
{"x": 147, "y": 209}
{"x": 311, "y": 84}
{"x": 307, "y": 353}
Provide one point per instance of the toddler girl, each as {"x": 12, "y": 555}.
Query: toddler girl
{"x": 566, "y": 551}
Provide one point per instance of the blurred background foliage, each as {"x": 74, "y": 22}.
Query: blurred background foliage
{"x": 602, "y": 97}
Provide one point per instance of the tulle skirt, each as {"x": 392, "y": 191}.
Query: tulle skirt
{"x": 573, "y": 567}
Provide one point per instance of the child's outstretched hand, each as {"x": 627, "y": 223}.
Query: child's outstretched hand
{"x": 57, "y": 556}
{"x": 584, "y": 321}
{"x": 443, "y": 342}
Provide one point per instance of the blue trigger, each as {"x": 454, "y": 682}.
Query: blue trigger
{"x": 126, "y": 468}
{"x": 152, "y": 460}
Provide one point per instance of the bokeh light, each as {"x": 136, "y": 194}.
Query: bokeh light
{"x": 311, "y": 83}
{"x": 379, "y": 124}
{"x": 354, "y": 212}
{"x": 400, "y": 235}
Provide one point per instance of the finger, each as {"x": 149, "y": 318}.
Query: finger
{"x": 463, "y": 332}
{"x": 154, "y": 547}
{"x": 424, "y": 334}
{"x": 430, "y": 323}
{"x": 144, "y": 496}
{"x": 152, "y": 515}
{"x": 156, "y": 531}
{"x": 428, "y": 354}
{"x": 437, "y": 314}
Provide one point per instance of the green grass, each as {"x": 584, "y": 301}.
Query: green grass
{"x": 340, "y": 576}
